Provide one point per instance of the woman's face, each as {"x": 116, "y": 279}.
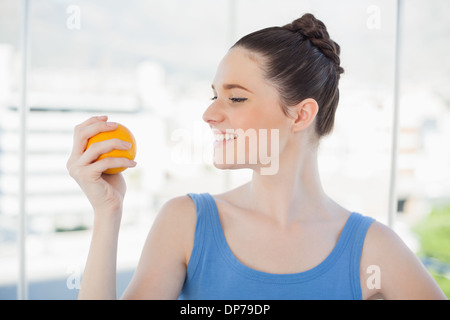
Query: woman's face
{"x": 245, "y": 116}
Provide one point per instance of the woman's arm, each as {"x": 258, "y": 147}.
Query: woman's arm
{"x": 162, "y": 268}
{"x": 105, "y": 193}
{"x": 401, "y": 274}
{"x": 99, "y": 277}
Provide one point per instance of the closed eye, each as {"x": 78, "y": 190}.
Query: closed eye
{"x": 236, "y": 100}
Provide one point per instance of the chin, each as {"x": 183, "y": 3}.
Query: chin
{"x": 225, "y": 166}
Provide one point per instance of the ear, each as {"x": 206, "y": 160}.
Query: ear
{"x": 304, "y": 114}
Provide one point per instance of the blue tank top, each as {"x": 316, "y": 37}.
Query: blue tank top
{"x": 215, "y": 273}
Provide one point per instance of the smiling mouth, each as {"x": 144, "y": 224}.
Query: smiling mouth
{"x": 219, "y": 137}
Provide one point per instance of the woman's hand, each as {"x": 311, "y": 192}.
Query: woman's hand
{"x": 105, "y": 192}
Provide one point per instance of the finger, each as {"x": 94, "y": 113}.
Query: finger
{"x": 79, "y": 127}
{"x": 92, "y": 120}
{"x": 102, "y": 165}
{"x": 83, "y": 134}
{"x": 95, "y": 150}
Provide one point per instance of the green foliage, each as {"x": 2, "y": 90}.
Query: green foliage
{"x": 434, "y": 236}
{"x": 443, "y": 282}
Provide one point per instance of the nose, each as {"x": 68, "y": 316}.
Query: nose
{"x": 213, "y": 114}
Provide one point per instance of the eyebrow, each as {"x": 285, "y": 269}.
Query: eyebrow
{"x": 229, "y": 86}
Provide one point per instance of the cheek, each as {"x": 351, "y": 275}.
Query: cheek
{"x": 266, "y": 121}
{"x": 258, "y": 116}
{"x": 248, "y": 119}
{"x": 264, "y": 135}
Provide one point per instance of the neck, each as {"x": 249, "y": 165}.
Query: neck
{"x": 293, "y": 193}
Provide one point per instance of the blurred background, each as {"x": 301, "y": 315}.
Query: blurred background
{"x": 149, "y": 65}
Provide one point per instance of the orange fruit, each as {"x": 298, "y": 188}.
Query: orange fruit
{"x": 122, "y": 133}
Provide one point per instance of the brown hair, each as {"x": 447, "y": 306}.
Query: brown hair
{"x": 301, "y": 61}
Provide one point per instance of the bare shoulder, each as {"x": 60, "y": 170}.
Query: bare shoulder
{"x": 180, "y": 208}
{"x": 380, "y": 237}
{"x": 401, "y": 275}
{"x": 178, "y": 217}
{"x": 162, "y": 267}
{"x": 384, "y": 245}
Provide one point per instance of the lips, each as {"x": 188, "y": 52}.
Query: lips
{"x": 223, "y": 137}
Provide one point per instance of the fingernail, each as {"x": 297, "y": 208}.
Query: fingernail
{"x": 126, "y": 144}
{"x": 133, "y": 163}
{"x": 111, "y": 124}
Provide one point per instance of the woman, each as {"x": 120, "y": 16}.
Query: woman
{"x": 278, "y": 236}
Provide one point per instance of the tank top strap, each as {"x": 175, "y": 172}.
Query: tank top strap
{"x": 202, "y": 203}
{"x": 203, "y": 230}
{"x": 357, "y": 231}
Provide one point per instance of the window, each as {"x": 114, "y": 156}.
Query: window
{"x": 149, "y": 65}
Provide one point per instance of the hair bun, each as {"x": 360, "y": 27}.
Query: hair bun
{"x": 315, "y": 31}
